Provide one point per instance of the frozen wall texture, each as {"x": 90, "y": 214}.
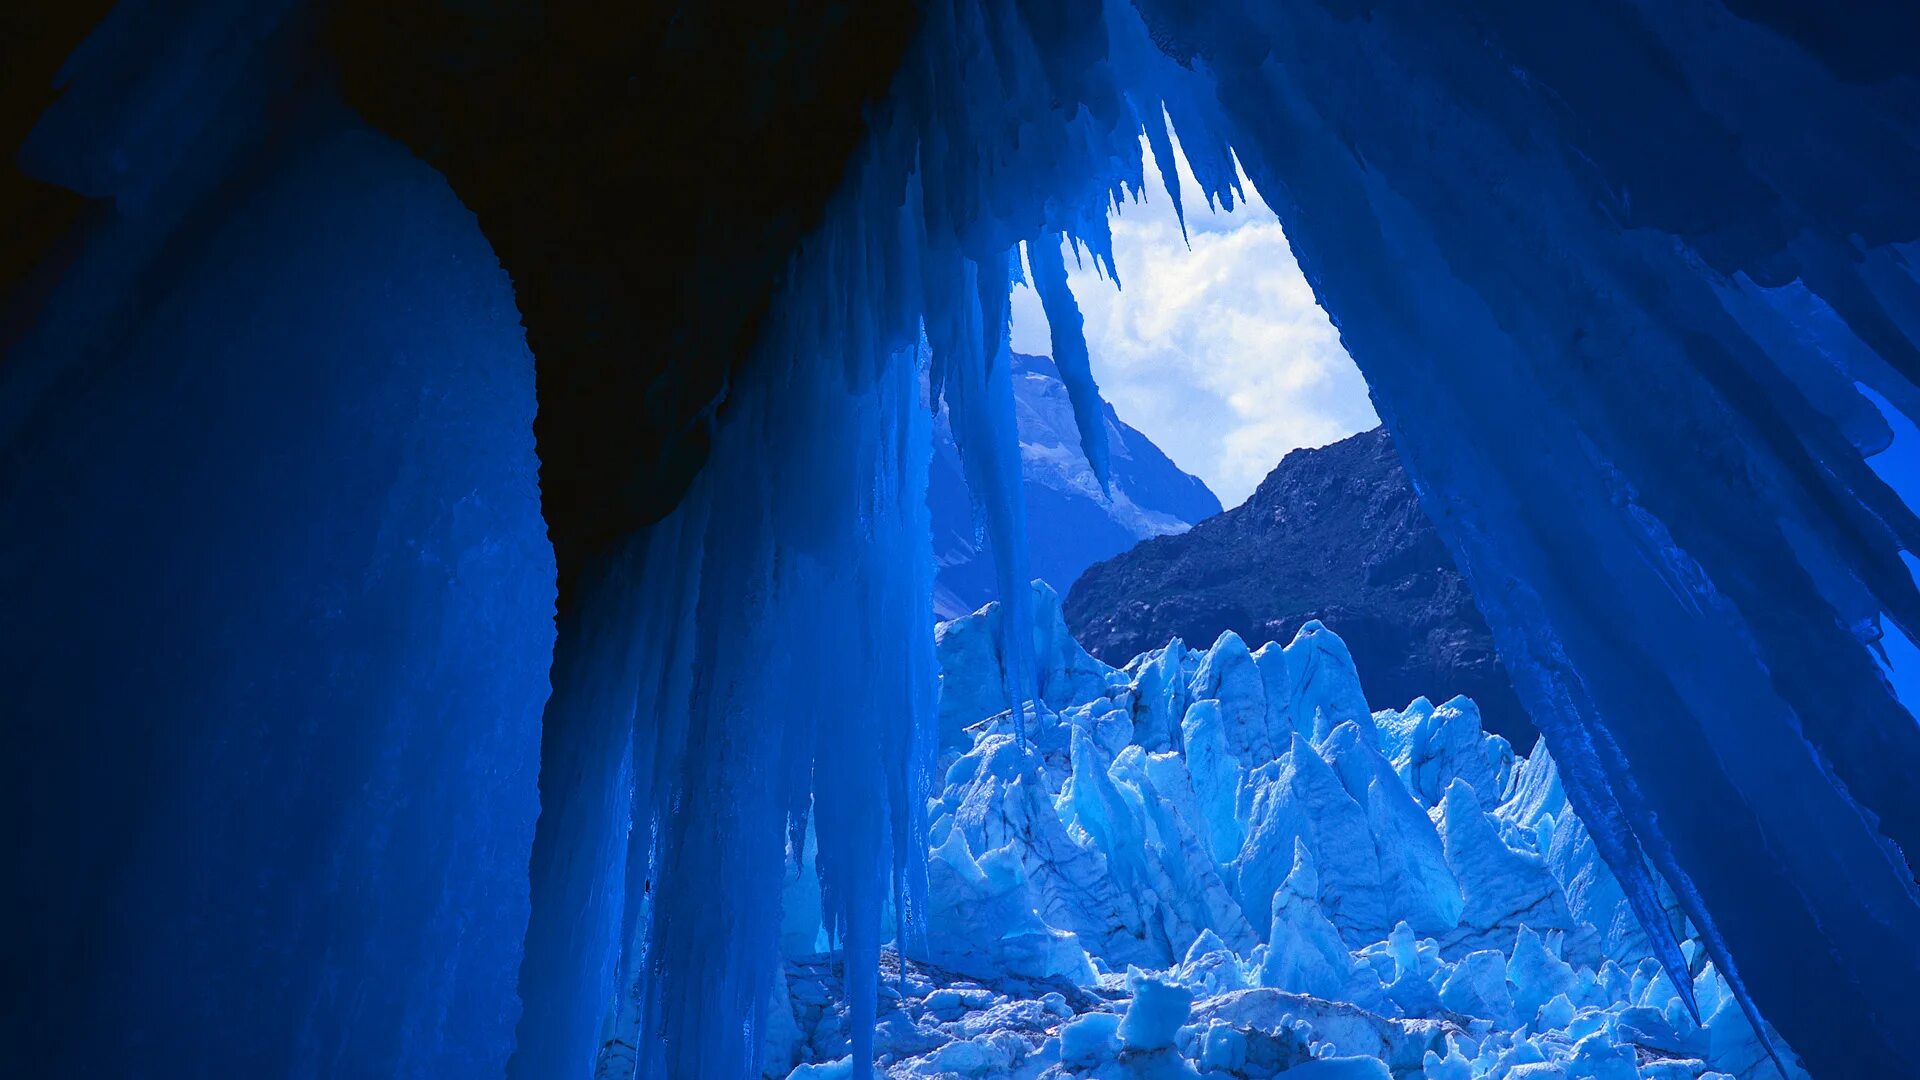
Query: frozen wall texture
{"x": 1684, "y": 556}
{"x": 1533, "y": 228}
{"x": 1555, "y": 242}
{"x": 278, "y": 599}
{"x": 278, "y": 605}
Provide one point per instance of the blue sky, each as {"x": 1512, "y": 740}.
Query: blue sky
{"x": 1218, "y": 354}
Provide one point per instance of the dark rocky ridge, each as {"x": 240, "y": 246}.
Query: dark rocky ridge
{"x": 1333, "y": 534}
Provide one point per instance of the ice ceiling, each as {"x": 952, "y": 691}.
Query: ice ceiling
{"x": 303, "y": 770}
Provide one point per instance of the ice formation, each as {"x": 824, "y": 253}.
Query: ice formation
{"x": 295, "y": 765}
{"x": 277, "y": 642}
{"x": 1556, "y": 247}
{"x": 1289, "y": 889}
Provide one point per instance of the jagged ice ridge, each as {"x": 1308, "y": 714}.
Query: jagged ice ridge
{"x": 1216, "y": 864}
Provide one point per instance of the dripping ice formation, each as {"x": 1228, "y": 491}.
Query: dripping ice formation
{"x": 906, "y": 275}
{"x": 278, "y": 601}
{"x": 1216, "y": 863}
{"x": 264, "y": 764}
{"x": 1664, "y": 496}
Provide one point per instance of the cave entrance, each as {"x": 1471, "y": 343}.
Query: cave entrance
{"x": 1295, "y": 828}
{"x": 1215, "y": 348}
{"x": 1214, "y": 361}
{"x": 1218, "y": 364}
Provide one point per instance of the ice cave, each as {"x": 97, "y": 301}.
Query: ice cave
{"x": 529, "y": 546}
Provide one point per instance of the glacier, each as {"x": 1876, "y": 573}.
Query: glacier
{"x": 339, "y": 747}
{"x": 1276, "y": 892}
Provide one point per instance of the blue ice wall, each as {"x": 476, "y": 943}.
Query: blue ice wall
{"x": 786, "y": 636}
{"x": 279, "y": 602}
{"x": 279, "y": 610}
{"x": 787, "y": 666}
{"x": 1537, "y": 228}
{"x": 722, "y": 681}
{"x": 1526, "y": 222}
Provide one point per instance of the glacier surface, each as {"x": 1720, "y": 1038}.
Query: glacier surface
{"x": 1284, "y": 886}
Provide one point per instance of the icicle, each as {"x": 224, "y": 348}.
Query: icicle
{"x": 1160, "y": 140}
{"x": 916, "y": 744}
{"x": 1066, "y": 327}
{"x": 972, "y": 369}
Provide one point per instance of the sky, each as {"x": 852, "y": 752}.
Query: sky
{"x": 1218, "y": 354}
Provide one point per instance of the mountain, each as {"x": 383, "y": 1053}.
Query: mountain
{"x": 1070, "y": 523}
{"x": 1333, "y": 534}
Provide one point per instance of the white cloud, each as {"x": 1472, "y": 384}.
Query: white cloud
{"x": 1219, "y": 354}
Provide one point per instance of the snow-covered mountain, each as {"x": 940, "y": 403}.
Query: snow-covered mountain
{"x": 1333, "y": 534}
{"x": 1216, "y": 864}
{"x": 1071, "y": 524}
